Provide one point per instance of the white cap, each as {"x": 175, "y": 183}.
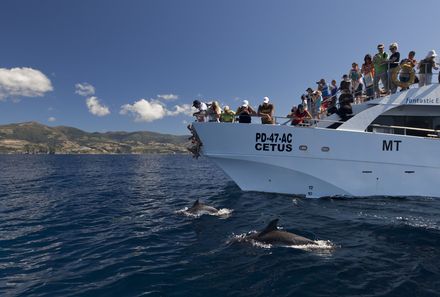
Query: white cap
{"x": 226, "y": 107}
{"x": 266, "y": 99}
{"x": 245, "y": 103}
{"x": 431, "y": 53}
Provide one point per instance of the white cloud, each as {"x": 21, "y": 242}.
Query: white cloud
{"x": 148, "y": 111}
{"x": 23, "y": 82}
{"x": 168, "y": 97}
{"x": 84, "y": 89}
{"x": 51, "y": 119}
{"x": 181, "y": 109}
{"x": 96, "y": 108}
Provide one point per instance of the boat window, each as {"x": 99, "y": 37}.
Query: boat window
{"x": 388, "y": 123}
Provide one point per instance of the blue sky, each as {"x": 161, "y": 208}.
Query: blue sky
{"x": 151, "y": 56}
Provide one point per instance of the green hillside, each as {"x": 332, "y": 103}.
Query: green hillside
{"x": 35, "y": 138}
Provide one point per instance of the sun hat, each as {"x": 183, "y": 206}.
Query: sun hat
{"x": 266, "y": 99}
{"x": 245, "y": 103}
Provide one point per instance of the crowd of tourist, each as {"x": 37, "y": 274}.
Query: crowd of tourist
{"x": 380, "y": 75}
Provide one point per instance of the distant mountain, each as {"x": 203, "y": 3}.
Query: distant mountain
{"x": 35, "y": 138}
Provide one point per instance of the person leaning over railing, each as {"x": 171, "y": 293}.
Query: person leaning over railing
{"x": 266, "y": 111}
{"x": 425, "y": 68}
{"x": 301, "y": 116}
{"x": 214, "y": 112}
{"x": 244, "y": 112}
{"x": 227, "y": 115}
{"x": 202, "y": 113}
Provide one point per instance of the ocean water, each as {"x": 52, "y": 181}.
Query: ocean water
{"x": 115, "y": 226}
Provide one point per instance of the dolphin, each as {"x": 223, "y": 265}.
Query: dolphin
{"x": 271, "y": 235}
{"x": 201, "y": 208}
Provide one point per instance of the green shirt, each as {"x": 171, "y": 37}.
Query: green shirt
{"x": 227, "y": 116}
{"x": 378, "y": 59}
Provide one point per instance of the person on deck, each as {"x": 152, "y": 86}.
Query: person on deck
{"x": 202, "y": 113}
{"x": 367, "y": 70}
{"x": 345, "y": 100}
{"x": 425, "y": 68}
{"x": 309, "y": 99}
{"x": 316, "y": 104}
{"x": 356, "y": 85}
{"x": 244, "y": 112}
{"x": 380, "y": 70}
{"x": 324, "y": 88}
{"x": 227, "y": 115}
{"x": 394, "y": 62}
{"x": 301, "y": 116}
{"x": 405, "y": 72}
{"x": 265, "y": 111}
{"x": 331, "y": 102}
{"x": 214, "y": 112}
{"x": 345, "y": 83}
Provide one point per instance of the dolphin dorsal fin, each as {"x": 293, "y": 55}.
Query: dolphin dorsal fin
{"x": 196, "y": 203}
{"x": 272, "y": 226}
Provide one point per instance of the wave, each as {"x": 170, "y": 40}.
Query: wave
{"x": 318, "y": 247}
{"x": 222, "y": 213}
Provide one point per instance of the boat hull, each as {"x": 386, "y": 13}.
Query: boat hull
{"x": 318, "y": 162}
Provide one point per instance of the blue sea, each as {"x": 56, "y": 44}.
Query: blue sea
{"x": 116, "y": 226}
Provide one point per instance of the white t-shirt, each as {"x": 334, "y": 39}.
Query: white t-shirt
{"x": 203, "y": 106}
{"x": 203, "y": 109}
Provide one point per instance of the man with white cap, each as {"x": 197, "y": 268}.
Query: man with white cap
{"x": 425, "y": 68}
{"x": 265, "y": 111}
{"x": 244, "y": 112}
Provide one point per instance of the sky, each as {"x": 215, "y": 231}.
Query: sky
{"x": 137, "y": 65}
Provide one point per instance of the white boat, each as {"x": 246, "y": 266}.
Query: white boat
{"x": 388, "y": 147}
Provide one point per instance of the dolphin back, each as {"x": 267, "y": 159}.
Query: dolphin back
{"x": 272, "y": 226}
{"x": 199, "y": 207}
{"x": 272, "y": 235}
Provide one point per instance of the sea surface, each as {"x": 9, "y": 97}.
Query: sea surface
{"x": 116, "y": 226}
